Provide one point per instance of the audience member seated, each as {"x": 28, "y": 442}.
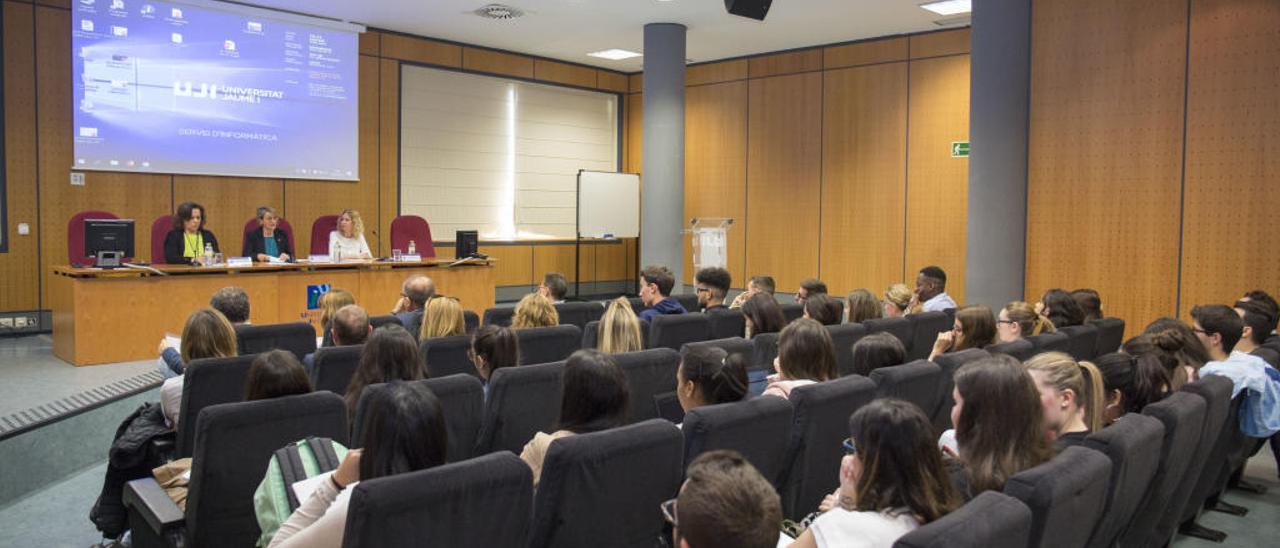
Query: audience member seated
{"x": 554, "y": 287}
{"x": 1266, "y": 300}
{"x": 892, "y": 480}
{"x": 390, "y": 354}
{"x": 233, "y": 303}
{"x": 492, "y": 348}
{"x": 762, "y": 315}
{"x": 757, "y": 284}
{"x": 347, "y": 242}
{"x": 443, "y": 318}
{"x": 999, "y": 425}
{"x": 877, "y": 350}
{"x": 534, "y": 310}
{"x": 975, "y": 327}
{"x": 805, "y": 356}
{"x": 207, "y": 334}
{"x": 823, "y": 309}
{"x": 404, "y": 431}
{"x": 595, "y": 398}
{"x": 899, "y": 301}
{"x": 268, "y": 242}
{"x": 724, "y": 502}
{"x": 1060, "y": 308}
{"x": 861, "y": 305}
{"x": 414, "y": 294}
{"x": 1071, "y": 395}
{"x": 1176, "y": 346}
{"x": 1219, "y": 328}
{"x": 1258, "y": 323}
{"x": 709, "y": 376}
{"x": 1019, "y": 319}
{"x": 620, "y": 329}
{"x": 655, "y": 292}
{"x": 186, "y": 243}
{"x": 1131, "y": 383}
{"x": 712, "y": 285}
{"x": 931, "y": 290}
{"x": 330, "y": 303}
{"x": 350, "y": 326}
{"x": 808, "y": 288}
{"x": 1090, "y": 304}
{"x": 274, "y": 374}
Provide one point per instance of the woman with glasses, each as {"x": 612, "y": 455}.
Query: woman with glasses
{"x": 975, "y": 327}
{"x": 892, "y": 480}
{"x": 1019, "y": 319}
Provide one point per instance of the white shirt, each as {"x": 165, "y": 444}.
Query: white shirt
{"x": 350, "y": 247}
{"x": 171, "y": 398}
{"x": 840, "y": 527}
{"x": 939, "y": 302}
{"x": 1246, "y": 371}
{"x": 320, "y": 521}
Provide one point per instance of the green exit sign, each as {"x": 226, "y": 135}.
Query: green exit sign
{"x": 960, "y": 149}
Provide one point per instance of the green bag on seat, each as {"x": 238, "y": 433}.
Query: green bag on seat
{"x": 274, "y": 500}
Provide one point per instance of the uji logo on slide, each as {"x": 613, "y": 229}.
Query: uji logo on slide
{"x": 314, "y": 292}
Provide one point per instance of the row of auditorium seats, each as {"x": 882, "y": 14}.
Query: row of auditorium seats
{"x": 1132, "y": 483}
{"x": 404, "y": 228}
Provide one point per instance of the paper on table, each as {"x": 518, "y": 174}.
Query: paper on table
{"x": 303, "y": 489}
{"x": 275, "y": 260}
{"x": 172, "y": 340}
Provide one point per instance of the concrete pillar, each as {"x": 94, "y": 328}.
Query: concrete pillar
{"x": 662, "y": 183}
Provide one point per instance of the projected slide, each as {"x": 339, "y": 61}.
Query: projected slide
{"x": 169, "y": 87}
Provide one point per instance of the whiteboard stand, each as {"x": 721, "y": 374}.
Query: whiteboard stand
{"x": 710, "y": 241}
{"x": 608, "y": 208}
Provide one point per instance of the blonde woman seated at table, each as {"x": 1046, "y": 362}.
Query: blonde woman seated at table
{"x": 347, "y": 242}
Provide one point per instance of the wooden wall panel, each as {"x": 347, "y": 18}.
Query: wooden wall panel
{"x": 715, "y": 166}
{"x": 611, "y": 81}
{"x": 1232, "y": 161}
{"x": 305, "y": 201}
{"x": 785, "y": 63}
{"x": 418, "y": 50}
{"x": 711, "y": 73}
{"x": 1105, "y": 151}
{"x": 937, "y": 184}
{"x": 564, "y": 73}
{"x": 864, "y": 157}
{"x": 611, "y": 261}
{"x": 19, "y": 266}
{"x": 934, "y": 44}
{"x": 231, "y": 201}
{"x": 514, "y": 266}
{"x": 635, "y": 83}
{"x": 783, "y": 177}
{"x": 496, "y": 62}
{"x": 558, "y": 258}
{"x": 634, "y": 134}
{"x": 371, "y": 43}
{"x": 865, "y": 53}
{"x": 388, "y": 191}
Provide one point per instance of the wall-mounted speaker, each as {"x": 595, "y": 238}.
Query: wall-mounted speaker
{"x": 755, "y": 9}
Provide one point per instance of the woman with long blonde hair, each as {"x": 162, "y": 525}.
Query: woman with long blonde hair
{"x": 1071, "y": 394}
{"x": 330, "y": 303}
{"x": 899, "y": 300}
{"x": 347, "y": 242}
{"x": 443, "y": 318}
{"x": 534, "y": 310}
{"x": 207, "y": 334}
{"x": 620, "y": 329}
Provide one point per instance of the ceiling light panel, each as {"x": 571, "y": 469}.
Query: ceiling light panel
{"x": 949, "y": 7}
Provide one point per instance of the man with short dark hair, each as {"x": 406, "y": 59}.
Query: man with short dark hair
{"x": 414, "y": 294}
{"x": 757, "y": 284}
{"x": 724, "y": 502}
{"x": 350, "y": 326}
{"x": 712, "y": 284}
{"x": 1219, "y": 328}
{"x": 1258, "y": 324}
{"x": 554, "y": 287}
{"x": 233, "y": 303}
{"x": 655, "y": 290}
{"x": 811, "y": 286}
{"x": 1266, "y": 300}
{"x": 931, "y": 290}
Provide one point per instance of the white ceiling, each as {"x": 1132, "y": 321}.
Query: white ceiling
{"x": 569, "y": 29}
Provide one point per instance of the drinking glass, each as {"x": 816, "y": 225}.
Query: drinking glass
{"x": 395, "y": 255}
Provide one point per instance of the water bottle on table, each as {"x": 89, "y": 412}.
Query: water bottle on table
{"x": 413, "y": 248}
{"x": 208, "y": 254}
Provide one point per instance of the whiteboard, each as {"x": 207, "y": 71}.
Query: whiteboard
{"x": 608, "y": 203}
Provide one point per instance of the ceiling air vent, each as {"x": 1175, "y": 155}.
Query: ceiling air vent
{"x": 499, "y": 12}
{"x": 955, "y": 21}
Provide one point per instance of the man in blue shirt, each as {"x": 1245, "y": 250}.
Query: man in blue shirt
{"x": 931, "y": 290}
{"x": 655, "y": 287}
{"x": 1219, "y": 328}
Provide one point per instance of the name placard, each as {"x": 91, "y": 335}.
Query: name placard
{"x": 320, "y": 259}
{"x": 239, "y": 262}
{"x": 411, "y": 258}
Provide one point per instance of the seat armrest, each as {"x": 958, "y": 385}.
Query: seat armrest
{"x": 149, "y": 500}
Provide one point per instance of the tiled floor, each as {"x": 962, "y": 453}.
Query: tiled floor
{"x": 30, "y": 375}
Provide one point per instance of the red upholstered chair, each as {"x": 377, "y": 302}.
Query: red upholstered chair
{"x": 159, "y": 229}
{"x": 320, "y": 234}
{"x": 412, "y": 227}
{"x": 75, "y": 236}
{"x": 253, "y": 224}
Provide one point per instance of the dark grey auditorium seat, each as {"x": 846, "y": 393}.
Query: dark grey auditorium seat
{"x": 990, "y": 520}
{"x": 949, "y": 363}
{"x": 726, "y": 323}
{"x": 916, "y": 382}
{"x": 649, "y": 373}
{"x": 1021, "y": 349}
{"x": 579, "y": 313}
{"x": 925, "y": 327}
{"x": 1110, "y": 335}
{"x": 1133, "y": 445}
{"x": 522, "y": 401}
{"x": 591, "y": 334}
{"x": 499, "y": 315}
{"x": 332, "y": 367}
{"x": 1050, "y": 342}
{"x": 1221, "y": 439}
{"x": 605, "y": 488}
{"x": 1066, "y": 496}
{"x": 548, "y": 344}
{"x": 206, "y": 382}
{"x": 462, "y": 399}
{"x": 899, "y": 327}
{"x": 843, "y": 337}
{"x": 1082, "y": 341}
{"x": 674, "y": 330}
{"x": 388, "y": 319}
{"x": 296, "y": 337}
{"x": 792, "y": 311}
{"x": 731, "y": 345}
{"x": 820, "y": 418}
{"x": 485, "y": 501}
{"x": 1182, "y": 414}
{"x": 741, "y": 426}
{"x": 446, "y": 356}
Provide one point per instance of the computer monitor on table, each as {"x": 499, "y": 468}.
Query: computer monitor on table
{"x": 466, "y": 244}
{"x": 109, "y": 240}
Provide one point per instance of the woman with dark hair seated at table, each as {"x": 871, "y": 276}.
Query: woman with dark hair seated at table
{"x": 186, "y": 242}
{"x": 268, "y": 242}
